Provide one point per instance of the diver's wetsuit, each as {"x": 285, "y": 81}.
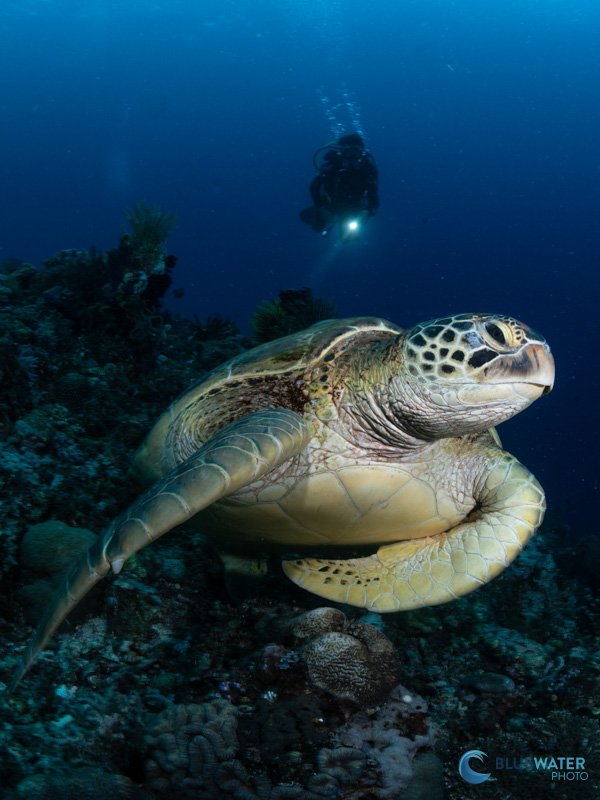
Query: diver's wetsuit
{"x": 345, "y": 187}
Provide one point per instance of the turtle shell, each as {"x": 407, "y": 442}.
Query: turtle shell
{"x": 277, "y": 374}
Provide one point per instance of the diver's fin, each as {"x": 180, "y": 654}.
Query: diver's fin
{"x": 308, "y": 215}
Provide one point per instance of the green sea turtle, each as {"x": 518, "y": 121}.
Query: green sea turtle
{"x": 350, "y": 433}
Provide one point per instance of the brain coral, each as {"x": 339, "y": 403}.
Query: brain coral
{"x": 210, "y": 752}
{"x": 350, "y": 660}
{"x": 194, "y": 754}
{"x": 188, "y": 747}
{"x": 318, "y": 620}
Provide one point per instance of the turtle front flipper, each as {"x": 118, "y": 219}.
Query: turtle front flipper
{"x": 233, "y": 458}
{"x": 437, "y": 569}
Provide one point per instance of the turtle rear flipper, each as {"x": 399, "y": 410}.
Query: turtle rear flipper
{"x": 434, "y": 570}
{"x": 235, "y": 457}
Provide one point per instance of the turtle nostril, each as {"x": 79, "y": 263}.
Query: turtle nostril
{"x": 495, "y": 332}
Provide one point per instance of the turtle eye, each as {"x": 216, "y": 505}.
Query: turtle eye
{"x": 495, "y": 332}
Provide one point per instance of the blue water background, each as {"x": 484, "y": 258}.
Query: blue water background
{"x": 483, "y": 116}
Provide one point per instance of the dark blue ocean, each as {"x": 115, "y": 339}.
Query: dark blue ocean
{"x": 483, "y": 116}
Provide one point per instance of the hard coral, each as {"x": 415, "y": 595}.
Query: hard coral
{"x": 208, "y": 751}
{"x": 187, "y": 745}
{"x": 194, "y": 754}
{"x": 346, "y": 764}
{"x": 351, "y": 660}
{"x": 51, "y": 547}
{"x": 318, "y": 620}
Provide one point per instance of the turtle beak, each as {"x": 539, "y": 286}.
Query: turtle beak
{"x": 543, "y": 359}
{"x": 533, "y": 364}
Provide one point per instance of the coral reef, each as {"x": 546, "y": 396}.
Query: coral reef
{"x": 237, "y": 715}
{"x": 384, "y": 734}
{"x": 82, "y": 784}
{"x": 194, "y": 751}
{"x": 350, "y": 660}
{"x": 86, "y": 369}
{"x": 228, "y": 694}
{"x": 292, "y": 311}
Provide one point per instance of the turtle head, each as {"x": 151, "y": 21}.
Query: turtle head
{"x": 465, "y": 373}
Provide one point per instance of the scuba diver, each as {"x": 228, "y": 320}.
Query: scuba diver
{"x": 345, "y": 190}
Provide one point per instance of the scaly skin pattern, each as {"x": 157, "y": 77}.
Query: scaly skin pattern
{"x": 337, "y": 495}
{"x": 351, "y": 433}
{"x": 439, "y": 568}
